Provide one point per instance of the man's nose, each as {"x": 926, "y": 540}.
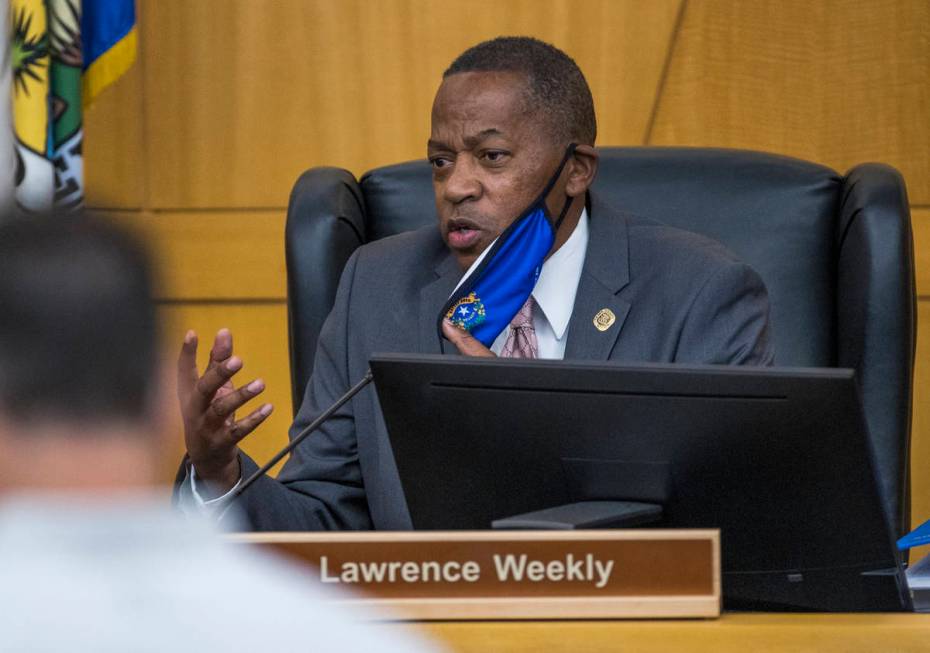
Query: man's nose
{"x": 463, "y": 182}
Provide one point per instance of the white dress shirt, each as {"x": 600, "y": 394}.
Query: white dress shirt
{"x": 555, "y": 297}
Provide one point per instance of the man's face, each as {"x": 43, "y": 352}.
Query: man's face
{"x": 491, "y": 157}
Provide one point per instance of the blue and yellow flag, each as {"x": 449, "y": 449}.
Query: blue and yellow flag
{"x": 63, "y": 53}
{"x": 108, "y": 28}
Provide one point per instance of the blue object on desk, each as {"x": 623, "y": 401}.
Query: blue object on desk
{"x": 917, "y": 537}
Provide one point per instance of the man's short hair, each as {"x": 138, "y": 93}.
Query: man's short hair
{"x": 78, "y": 333}
{"x": 556, "y": 85}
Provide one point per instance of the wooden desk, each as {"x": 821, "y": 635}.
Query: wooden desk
{"x": 756, "y": 633}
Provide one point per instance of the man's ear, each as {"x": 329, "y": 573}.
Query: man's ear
{"x": 582, "y": 170}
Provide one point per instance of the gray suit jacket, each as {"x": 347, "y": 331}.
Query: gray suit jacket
{"x": 677, "y": 297}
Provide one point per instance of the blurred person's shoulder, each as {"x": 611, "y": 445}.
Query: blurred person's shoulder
{"x": 143, "y": 573}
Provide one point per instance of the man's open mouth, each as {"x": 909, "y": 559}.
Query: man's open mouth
{"x": 463, "y": 234}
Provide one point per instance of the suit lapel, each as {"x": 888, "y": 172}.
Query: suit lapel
{"x": 432, "y": 298}
{"x": 606, "y": 271}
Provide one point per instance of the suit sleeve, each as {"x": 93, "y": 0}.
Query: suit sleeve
{"x": 320, "y": 486}
{"x": 728, "y": 322}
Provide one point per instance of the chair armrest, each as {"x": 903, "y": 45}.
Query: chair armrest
{"x": 876, "y": 310}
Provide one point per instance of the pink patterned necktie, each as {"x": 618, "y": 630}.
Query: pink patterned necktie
{"x": 521, "y": 342}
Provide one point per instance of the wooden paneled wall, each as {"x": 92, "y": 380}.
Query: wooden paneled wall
{"x": 231, "y": 100}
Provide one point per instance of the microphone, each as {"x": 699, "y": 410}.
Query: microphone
{"x": 310, "y": 428}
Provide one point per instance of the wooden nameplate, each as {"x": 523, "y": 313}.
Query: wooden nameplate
{"x": 591, "y": 574}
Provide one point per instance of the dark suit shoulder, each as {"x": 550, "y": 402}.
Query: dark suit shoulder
{"x": 681, "y": 260}
{"x": 626, "y": 243}
{"x": 650, "y": 239}
{"x": 691, "y": 299}
{"x": 390, "y": 273}
{"x": 412, "y": 250}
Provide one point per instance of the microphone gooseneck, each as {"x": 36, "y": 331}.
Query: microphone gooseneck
{"x": 310, "y": 428}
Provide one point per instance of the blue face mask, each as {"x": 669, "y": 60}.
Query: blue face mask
{"x": 491, "y": 295}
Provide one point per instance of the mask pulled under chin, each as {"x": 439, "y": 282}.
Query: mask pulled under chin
{"x": 500, "y": 282}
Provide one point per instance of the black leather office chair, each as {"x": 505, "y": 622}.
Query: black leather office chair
{"x": 835, "y": 252}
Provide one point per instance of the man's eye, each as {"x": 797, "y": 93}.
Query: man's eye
{"x": 495, "y": 156}
{"x": 439, "y": 162}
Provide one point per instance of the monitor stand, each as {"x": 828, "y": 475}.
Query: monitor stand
{"x": 585, "y": 514}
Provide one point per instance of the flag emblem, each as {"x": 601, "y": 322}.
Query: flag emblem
{"x": 467, "y": 313}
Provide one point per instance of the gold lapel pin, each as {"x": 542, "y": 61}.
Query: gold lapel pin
{"x": 604, "y": 319}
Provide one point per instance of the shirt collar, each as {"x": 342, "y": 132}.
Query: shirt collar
{"x": 558, "y": 281}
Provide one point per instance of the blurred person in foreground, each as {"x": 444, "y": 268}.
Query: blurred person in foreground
{"x": 90, "y": 556}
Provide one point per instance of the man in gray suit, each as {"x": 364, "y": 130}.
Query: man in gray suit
{"x": 614, "y": 287}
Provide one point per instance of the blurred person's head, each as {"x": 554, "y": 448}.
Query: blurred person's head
{"x": 79, "y": 372}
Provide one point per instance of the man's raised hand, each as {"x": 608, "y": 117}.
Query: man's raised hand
{"x": 208, "y": 407}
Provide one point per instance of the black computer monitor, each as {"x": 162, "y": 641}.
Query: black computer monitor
{"x": 779, "y": 459}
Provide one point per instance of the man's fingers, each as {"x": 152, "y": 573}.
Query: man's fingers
{"x": 226, "y": 405}
{"x": 222, "y": 348}
{"x": 466, "y": 343}
{"x": 187, "y": 364}
{"x": 245, "y": 426}
{"x": 214, "y": 378}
